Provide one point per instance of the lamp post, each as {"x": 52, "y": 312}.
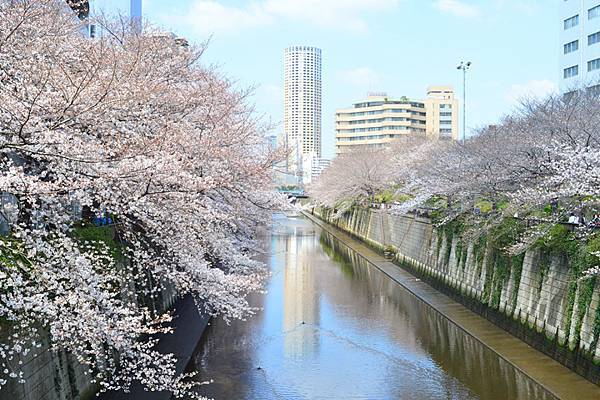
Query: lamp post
{"x": 464, "y": 66}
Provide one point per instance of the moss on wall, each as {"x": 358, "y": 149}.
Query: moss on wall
{"x": 542, "y": 260}
{"x": 517, "y": 271}
{"x": 450, "y": 231}
{"x": 500, "y": 265}
{"x": 561, "y": 243}
{"x": 595, "y": 329}
{"x": 438, "y": 247}
{"x": 479, "y": 249}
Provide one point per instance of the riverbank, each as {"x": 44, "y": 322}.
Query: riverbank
{"x": 550, "y": 374}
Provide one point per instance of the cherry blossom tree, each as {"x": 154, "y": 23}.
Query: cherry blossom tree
{"x": 546, "y": 152}
{"x": 135, "y": 127}
{"x": 355, "y": 176}
{"x": 569, "y": 131}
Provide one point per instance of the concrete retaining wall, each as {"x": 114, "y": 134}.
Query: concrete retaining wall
{"x": 56, "y": 375}
{"x": 534, "y": 297}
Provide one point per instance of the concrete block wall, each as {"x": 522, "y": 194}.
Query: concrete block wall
{"x": 57, "y": 375}
{"x": 531, "y": 295}
{"x": 49, "y": 375}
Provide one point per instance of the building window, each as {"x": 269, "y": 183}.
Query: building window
{"x": 594, "y": 12}
{"x": 571, "y": 72}
{"x": 571, "y": 22}
{"x": 593, "y": 38}
{"x": 594, "y": 65}
{"x": 571, "y": 47}
{"x": 594, "y": 90}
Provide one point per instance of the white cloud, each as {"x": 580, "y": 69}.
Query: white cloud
{"x": 363, "y": 77}
{"x": 531, "y": 89}
{"x": 209, "y": 16}
{"x": 213, "y": 16}
{"x": 339, "y": 14}
{"x": 530, "y": 8}
{"x": 458, "y": 8}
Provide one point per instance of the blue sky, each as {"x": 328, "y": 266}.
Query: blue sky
{"x": 396, "y": 46}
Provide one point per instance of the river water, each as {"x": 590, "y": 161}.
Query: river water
{"x": 334, "y": 327}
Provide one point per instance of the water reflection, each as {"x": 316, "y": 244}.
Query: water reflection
{"x": 334, "y": 327}
{"x": 300, "y": 298}
{"x": 425, "y": 334}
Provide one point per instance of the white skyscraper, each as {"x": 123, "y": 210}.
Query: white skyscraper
{"x": 302, "y": 98}
{"x": 579, "y": 44}
{"x": 88, "y": 10}
{"x": 135, "y": 12}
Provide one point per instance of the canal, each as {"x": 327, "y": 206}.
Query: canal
{"x": 334, "y": 327}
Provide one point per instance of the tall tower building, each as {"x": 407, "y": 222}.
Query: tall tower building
{"x": 87, "y": 10}
{"x": 302, "y": 99}
{"x": 579, "y": 47}
{"x": 135, "y": 12}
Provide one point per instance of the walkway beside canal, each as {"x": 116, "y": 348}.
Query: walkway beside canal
{"x": 550, "y": 374}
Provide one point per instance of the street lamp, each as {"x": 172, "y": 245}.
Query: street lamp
{"x": 464, "y": 66}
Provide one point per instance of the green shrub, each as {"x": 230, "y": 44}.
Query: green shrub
{"x": 100, "y": 234}
{"x": 484, "y": 206}
{"x": 506, "y": 233}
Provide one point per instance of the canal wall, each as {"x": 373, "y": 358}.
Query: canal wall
{"x": 534, "y": 296}
{"x": 56, "y": 375}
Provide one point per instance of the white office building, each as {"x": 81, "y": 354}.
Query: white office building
{"x": 318, "y": 165}
{"x": 87, "y": 10}
{"x": 302, "y": 98}
{"x": 579, "y": 44}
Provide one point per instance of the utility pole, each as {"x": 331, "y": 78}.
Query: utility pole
{"x": 464, "y": 66}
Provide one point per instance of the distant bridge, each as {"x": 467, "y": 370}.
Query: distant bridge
{"x": 297, "y": 193}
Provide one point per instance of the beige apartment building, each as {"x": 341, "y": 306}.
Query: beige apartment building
{"x": 442, "y": 112}
{"x": 379, "y": 120}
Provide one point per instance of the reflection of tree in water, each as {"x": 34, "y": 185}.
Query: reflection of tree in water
{"x": 232, "y": 346}
{"x": 427, "y": 333}
{"x": 326, "y": 242}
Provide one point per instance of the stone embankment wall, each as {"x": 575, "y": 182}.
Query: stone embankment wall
{"x": 57, "y": 375}
{"x": 534, "y": 296}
